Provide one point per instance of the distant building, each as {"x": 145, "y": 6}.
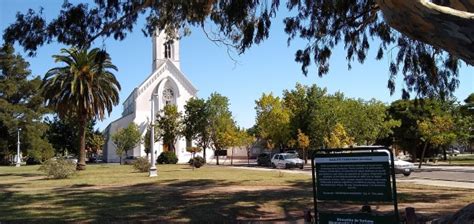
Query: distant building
{"x": 172, "y": 87}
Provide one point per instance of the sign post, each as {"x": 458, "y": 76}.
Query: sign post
{"x": 354, "y": 174}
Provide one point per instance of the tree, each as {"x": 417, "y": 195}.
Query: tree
{"x": 147, "y": 139}
{"x": 273, "y": 119}
{"x": 169, "y": 122}
{"x": 338, "y": 138}
{"x": 410, "y": 113}
{"x": 303, "y": 144}
{"x": 196, "y": 123}
{"x": 95, "y": 142}
{"x": 62, "y": 134}
{"x": 221, "y": 122}
{"x": 426, "y": 38}
{"x": 84, "y": 87}
{"x": 126, "y": 139}
{"x": 248, "y": 141}
{"x": 21, "y": 106}
{"x": 438, "y": 131}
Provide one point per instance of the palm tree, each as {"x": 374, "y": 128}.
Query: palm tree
{"x": 85, "y": 88}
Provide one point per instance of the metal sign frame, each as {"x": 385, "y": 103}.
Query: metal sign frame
{"x": 314, "y": 154}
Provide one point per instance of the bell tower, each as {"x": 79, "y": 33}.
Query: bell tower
{"x": 164, "y": 49}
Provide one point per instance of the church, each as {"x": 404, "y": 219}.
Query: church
{"x": 165, "y": 85}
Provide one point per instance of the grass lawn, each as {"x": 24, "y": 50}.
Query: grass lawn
{"x": 114, "y": 193}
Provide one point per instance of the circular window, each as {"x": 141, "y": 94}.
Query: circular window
{"x": 168, "y": 94}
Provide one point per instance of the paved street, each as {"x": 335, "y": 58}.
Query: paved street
{"x": 446, "y": 176}
{"x": 443, "y": 176}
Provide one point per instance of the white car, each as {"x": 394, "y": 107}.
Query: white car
{"x": 286, "y": 160}
{"x": 403, "y": 167}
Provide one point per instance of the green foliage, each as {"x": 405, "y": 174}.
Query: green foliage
{"x": 197, "y": 122}
{"x": 41, "y": 151}
{"x": 417, "y": 128}
{"x": 273, "y": 119}
{"x": 84, "y": 88}
{"x": 63, "y": 135}
{"x": 126, "y": 139}
{"x": 141, "y": 164}
{"x": 58, "y": 168}
{"x": 21, "y": 106}
{"x": 323, "y": 24}
{"x": 197, "y": 161}
{"x": 147, "y": 138}
{"x": 167, "y": 158}
{"x": 338, "y": 138}
{"x": 221, "y": 123}
{"x": 95, "y": 142}
{"x": 169, "y": 122}
{"x": 316, "y": 113}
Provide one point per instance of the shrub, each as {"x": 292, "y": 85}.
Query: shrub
{"x": 141, "y": 164}
{"x": 58, "y": 168}
{"x": 198, "y": 161}
{"x": 167, "y": 158}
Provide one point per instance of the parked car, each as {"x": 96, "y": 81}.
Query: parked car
{"x": 264, "y": 159}
{"x": 71, "y": 158}
{"x": 403, "y": 167}
{"x": 287, "y": 160}
{"x": 452, "y": 151}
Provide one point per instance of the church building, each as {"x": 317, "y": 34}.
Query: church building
{"x": 165, "y": 85}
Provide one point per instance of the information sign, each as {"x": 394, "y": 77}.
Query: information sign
{"x": 363, "y": 176}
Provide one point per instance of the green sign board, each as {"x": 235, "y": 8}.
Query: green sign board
{"x": 363, "y": 176}
{"x": 356, "y": 218}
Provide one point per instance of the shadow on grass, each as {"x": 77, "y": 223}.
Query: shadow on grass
{"x": 150, "y": 202}
{"x": 20, "y": 175}
{"x": 201, "y": 200}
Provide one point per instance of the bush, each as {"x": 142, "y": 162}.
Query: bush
{"x": 167, "y": 158}
{"x": 198, "y": 161}
{"x": 58, "y": 168}
{"x": 141, "y": 164}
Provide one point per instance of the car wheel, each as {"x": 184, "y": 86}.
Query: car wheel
{"x": 301, "y": 167}
{"x": 286, "y": 166}
{"x": 406, "y": 174}
{"x": 273, "y": 165}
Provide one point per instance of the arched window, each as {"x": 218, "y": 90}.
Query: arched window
{"x": 167, "y": 50}
{"x": 168, "y": 96}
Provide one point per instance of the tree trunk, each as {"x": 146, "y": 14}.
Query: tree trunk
{"x": 204, "y": 153}
{"x": 423, "y": 154}
{"x": 217, "y": 158}
{"x": 81, "y": 164}
{"x": 444, "y": 154}
{"x": 451, "y": 29}
{"x": 305, "y": 156}
{"x": 248, "y": 157}
{"x": 232, "y": 157}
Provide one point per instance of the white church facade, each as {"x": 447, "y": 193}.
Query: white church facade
{"x": 165, "y": 85}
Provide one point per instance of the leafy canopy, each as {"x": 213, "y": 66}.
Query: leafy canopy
{"x": 324, "y": 24}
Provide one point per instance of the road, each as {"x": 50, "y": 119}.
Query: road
{"x": 442, "y": 176}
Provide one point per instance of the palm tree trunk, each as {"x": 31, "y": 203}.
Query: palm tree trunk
{"x": 81, "y": 164}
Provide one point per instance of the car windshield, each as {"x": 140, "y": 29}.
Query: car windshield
{"x": 290, "y": 156}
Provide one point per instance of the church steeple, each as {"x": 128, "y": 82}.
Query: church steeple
{"x": 164, "y": 49}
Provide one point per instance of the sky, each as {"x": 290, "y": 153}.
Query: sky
{"x": 268, "y": 67}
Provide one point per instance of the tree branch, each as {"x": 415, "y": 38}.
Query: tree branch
{"x": 442, "y": 27}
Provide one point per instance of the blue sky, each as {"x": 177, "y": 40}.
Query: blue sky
{"x": 268, "y": 67}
